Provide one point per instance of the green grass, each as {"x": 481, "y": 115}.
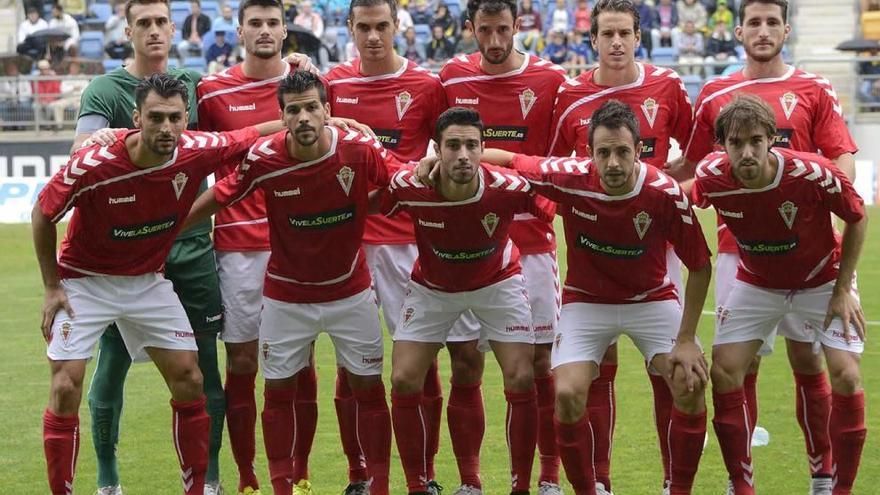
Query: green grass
{"x": 148, "y": 464}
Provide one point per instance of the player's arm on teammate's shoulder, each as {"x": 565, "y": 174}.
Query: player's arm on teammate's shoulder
{"x": 680, "y": 169}
{"x": 495, "y": 156}
{"x": 205, "y": 206}
{"x": 351, "y": 124}
{"x": 232, "y": 188}
{"x": 846, "y": 163}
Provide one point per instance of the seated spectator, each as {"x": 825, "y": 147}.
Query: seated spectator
{"x": 529, "y": 38}
{"x": 557, "y": 50}
{"x": 467, "y": 43}
{"x": 666, "y": 23}
{"x": 47, "y": 88}
{"x": 560, "y": 18}
{"x": 15, "y": 97}
{"x": 647, "y": 24}
{"x": 581, "y": 53}
{"x": 444, "y": 19}
{"x": 219, "y": 54}
{"x": 309, "y": 19}
{"x": 76, "y": 8}
{"x": 71, "y": 91}
{"x": 691, "y": 50}
{"x": 693, "y": 11}
{"x": 117, "y": 45}
{"x": 63, "y": 21}
{"x": 336, "y": 12}
{"x": 422, "y": 13}
{"x": 721, "y": 47}
{"x": 410, "y": 48}
{"x": 226, "y": 22}
{"x": 31, "y": 24}
{"x": 722, "y": 15}
{"x": 195, "y": 26}
{"x": 404, "y": 19}
{"x": 582, "y": 18}
{"x": 438, "y": 49}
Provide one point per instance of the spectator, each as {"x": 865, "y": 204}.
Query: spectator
{"x": 226, "y": 23}
{"x": 422, "y": 13}
{"x": 195, "y": 26}
{"x": 557, "y": 50}
{"x": 336, "y": 12}
{"x": 444, "y": 19}
{"x": 693, "y": 11}
{"x": 467, "y": 43}
{"x": 529, "y": 38}
{"x": 666, "y": 23}
{"x": 15, "y": 97}
{"x": 410, "y": 48}
{"x": 71, "y": 91}
{"x": 439, "y": 49}
{"x": 219, "y": 54}
{"x": 646, "y": 24}
{"x": 76, "y": 8}
{"x": 63, "y": 21}
{"x": 32, "y": 23}
{"x": 722, "y": 15}
{"x": 690, "y": 50}
{"x": 721, "y": 47}
{"x": 582, "y": 53}
{"x": 582, "y": 17}
{"x": 869, "y": 87}
{"x": 404, "y": 19}
{"x": 560, "y": 18}
{"x": 47, "y": 88}
{"x": 117, "y": 45}
{"x": 309, "y": 19}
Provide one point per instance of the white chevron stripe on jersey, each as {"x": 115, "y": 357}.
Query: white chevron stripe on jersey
{"x": 266, "y": 148}
{"x": 499, "y": 179}
{"x": 188, "y": 142}
{"x": 828, "y": 180}
{"x": 799, "y": 168}
{"x": 817, "y": 172}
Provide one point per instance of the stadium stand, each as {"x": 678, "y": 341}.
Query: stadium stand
{"x": 91, "y": 44}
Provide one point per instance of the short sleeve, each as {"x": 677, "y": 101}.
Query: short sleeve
{"x": 95, "y": 102}
{"x": 60, "y": 193}
{"x": 684, "y": 114}
{"x": 829, "y": 131}
{"x": 562, "y": 135}
{"x": 685, "y": 233}
{"x": 550, "y": 176}
{"x": 702, "y": 136}
{"x": 839, "y": 195}
{"x": 235, "y": 186}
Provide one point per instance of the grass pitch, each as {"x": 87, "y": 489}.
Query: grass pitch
{"x": 148, "y": 464}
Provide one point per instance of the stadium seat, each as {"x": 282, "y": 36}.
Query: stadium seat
{"x": 871, "y": 25}
{"x": 341, "y": 38}
{"x": 664, "y": 55}
{"x": 211, "y": 9}
{"x": 693, "y": 83}
{"x": 179, "y": 13}
{"x": 195, "y": 63}
{"x": 111, "y": 64}
{"x": 101, "y": 11}
{"x": 91, "y": 44}
{"x": 423, "y": 32}
{"x": 454, "y": 8}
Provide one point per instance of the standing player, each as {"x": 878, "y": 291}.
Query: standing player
{"x": 514, "y": 93}
{"x": 777, "y": 204}
{"x": 808, "y": 118}
{"x": 467, "y": 262}
{"x": 400, "y": 101}
{"x": 130, "y": 199}
{"x": 658, "y": 98}
{"x": 315, "y": 181}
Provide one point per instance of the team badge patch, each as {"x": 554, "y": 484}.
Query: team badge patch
{"x": 490, "y": 222}
{"x": 527, "y": 100}
{"x": 788, "y": 211}
{"x": 788, "y": 101}
{"x": 66, "y": 328}
{"x": 642, "y": 221}
{"x": 721, "y": 314}
{"x": 265, "y": 350}
{"x": 345, "y": 178}
{"x": 408, "y": 314}
{"x": 650, "y": 108}
{"x": 179, "y": 183}
{"x": 403, "y": 101}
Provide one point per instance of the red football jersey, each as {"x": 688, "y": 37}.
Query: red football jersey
{"x": 516, "y": 108}
{"x": 402, "y": 109}
{"x": 464, "y": 245}
{"x": 808, "y": 118}
{"x": 125, "y": 218}
{"x": 657, "y": 96}
{"x": 230, "y": 100}
{"x": 784, "y": 231}
{"x": 617, "y": 244}
{"x": 316, "y": 211}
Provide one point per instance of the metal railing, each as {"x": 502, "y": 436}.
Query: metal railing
{"x": 40, "y": 103}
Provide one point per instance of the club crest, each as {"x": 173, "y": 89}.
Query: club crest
{"x": 527, "y": 100}
{"x": 408, "y": 314}
{"x": 788, "y": 101}
{"x": 642, "y": 221}
{"x": 721, "y": 314}
{"x": 179, "y": 183}
{"x": 650, "y": 108}
{"x": 265, "y": 350}
{"x": 66, "y": 328}
{"x": 403, "y": 101}
{"x": 490, "y": 222}
{"x": 788, "y": 211}
{"x": 345, "y": 178}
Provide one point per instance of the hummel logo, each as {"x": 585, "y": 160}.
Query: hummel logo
{"x": 433, "y": 225}
{"x": 467, "y": 101}
{"x": 242, "y": 108}
{"x": 126, "y": 199}
{"x": 731, "y": 214}
{"x": 584, "y": 122}
{"x": 588, "y": 216}
{"x": 350, "y": 101}
{"x": 288, "y": 193}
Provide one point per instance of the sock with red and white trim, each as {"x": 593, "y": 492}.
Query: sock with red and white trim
{"x": 813, "y": 406}
{"x": 432, "y": 406}
{"x": 241, "y": 418}
{"x": 467, "y": 424}
{"x": 548, "y": 454}
{"x": 750, "y": 389}
{"x": 374, "y": 432}
{"x": 602, "y": 413}
{"x": 279, "y": 430}
{"x": 346, "y": 415}
{"x": 522, "y": 434}
{"x": 306, "y": 410}
{"x": 685, "y": 439}
{"x": 191, "y": 427}
{"x": 662, "y": 416}
{"x": 61, "y": 445}
{"x": 848, "y": 434}
{"x": 575, "y": 442}
{"x": 733, "y": 429}
{"x": 410, "y": 434}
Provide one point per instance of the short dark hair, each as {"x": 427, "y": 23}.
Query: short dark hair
{"x": 745, "y": 111}
{"x": 163, "y": 85}
{"x": 614, "y": 114}
{"x": 131, "y": 3}
{"x": 490, "y": 7}
{"x": 259, "y": 3}
{"x": 782, "y": 4}
{"x": 392, "y": 4}
{"x": 457, "y": 116}
{"x": 300, "y": 81}
{"x": 623, "y": 6}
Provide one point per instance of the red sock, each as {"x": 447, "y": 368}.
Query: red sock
{"x": 374, "y": 432}
{"x": 522, "y": 433}
{"x": 813, "y": 394}
{"x": 847, "y": 438}
{"x": 191, "y": 427}
{"x": 548, "y": 454}
{"x": 279, "y": 430}
{"x": 750, "y": 389}
{"x": 685, "y": 438}
{"x": 602, "y": 413}
{"x": 467, "y": 423}
{"x": 733, "y": 427}
{"x": 432, "y": 406}
{"x": 306, "y": 410}
{"x": 662, "y": 416}
{"x": 346, "y": 415}
{"x": 409, "y": 431}
{"x": 575, "y": 442}
{"x": 241, "y": 419}
{"x": 61, "y": 444}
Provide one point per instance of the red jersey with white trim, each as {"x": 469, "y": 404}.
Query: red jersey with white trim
{"x": 808, "y": 118}
{"x": 464, "y": 245}
{"x": 657, "y": 97}
{"x": 316, "y": 210}
{"x": 784, "y": 232}
{"x": 125, "y": 218}
{"x": 402, "y": 109}
{"x": 516, "y": 108}
{"x": 617, "y": 244}
{"x": 230, "y": 100}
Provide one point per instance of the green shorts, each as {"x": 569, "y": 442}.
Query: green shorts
{"x": 192, "y": 269}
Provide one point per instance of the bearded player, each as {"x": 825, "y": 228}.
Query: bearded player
{"x": 513, "y": 93}
{"x": 808, "y": 118}
{"x": 777, "y": 204}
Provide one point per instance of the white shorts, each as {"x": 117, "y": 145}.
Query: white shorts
{"x": 586, "y": 330}
{"x": 541, "y": 273}
{"x": 144, "y": 307}
{"x": 241, "y": 286}
{"x": 673, "y": 271}
{"x": 287, "y": 331}
{"x": 751, "y": 313}
{"x": 391, "y": 266}
{"x": 501, "y": 310}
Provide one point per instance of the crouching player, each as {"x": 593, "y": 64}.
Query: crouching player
{"x": 777, "y": 204}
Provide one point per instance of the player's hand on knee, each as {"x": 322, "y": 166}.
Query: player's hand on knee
{"x": 54, "y": 300}
{"x": 348, "y": 124}
{"x": 846, "y": 306}
{"x": 103, "y": 137}
{"x": 302, "y": 61}
{"x": 688, "y": 355}
{"x": 428, "y": 170}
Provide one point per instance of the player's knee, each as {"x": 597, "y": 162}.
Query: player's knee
{"x": 542, "y": 361}
{"x": 570, "y": 402}
{"x": 186, "y": 383}
{"x": 687, "y": 400}
{"x": 66, "y": 393}
{"x": 405, "y": 382}
{"x": 361, "y": 382}
{"x": 805, "y": 361}
{"x": 467, "y": 367}
{"x": 519, "y": 378}
{"x": 846, "y": 380}
{"x": 723, "y": 376}
{"x": 241, "y": 360}
{"x": 754, "y": 366}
